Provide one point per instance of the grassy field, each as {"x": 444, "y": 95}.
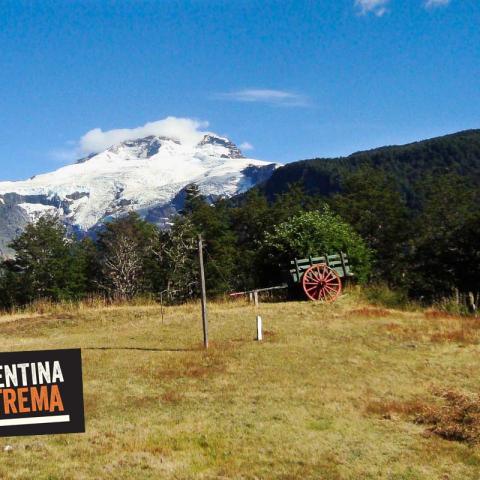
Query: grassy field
{"x": 333, "y": 392}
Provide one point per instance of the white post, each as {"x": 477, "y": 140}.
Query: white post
{"x": 259, "y": 328}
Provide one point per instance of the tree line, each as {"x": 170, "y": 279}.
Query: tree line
{"x": 425, "y": 252}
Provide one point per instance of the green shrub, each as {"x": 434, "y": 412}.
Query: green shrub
{"x": 314, "y": 233}
{"x": 382, "y": 295}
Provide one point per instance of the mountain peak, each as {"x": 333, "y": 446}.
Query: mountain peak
{"x": 211, "y": 139}
{"x": 145, "y": 147}
{"x": 144, "y": 174}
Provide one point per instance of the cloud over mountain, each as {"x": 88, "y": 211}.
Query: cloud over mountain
{"x": 185, "y": 130}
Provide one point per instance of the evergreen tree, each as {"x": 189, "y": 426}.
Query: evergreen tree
{"x": 371, "y": 202}
{"x": 446, "y": 250}
{"x": 213, "y": 222}
{"x": 250, "y": 221}
{"x": 45, "y": 264}
{"x": 194, "y": 200}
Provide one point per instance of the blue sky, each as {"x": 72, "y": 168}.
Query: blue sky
{"x": 294, "y": 79}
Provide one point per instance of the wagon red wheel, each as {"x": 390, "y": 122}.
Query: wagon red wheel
{"x": 320, "y": 282}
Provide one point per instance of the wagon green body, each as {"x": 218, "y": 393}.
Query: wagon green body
{"x": 321, "y": 276}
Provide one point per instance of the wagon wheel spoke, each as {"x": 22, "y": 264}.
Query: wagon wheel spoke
{"x": 331, "y": 292}
{"x": 327, "y": 295}
{"x": 316, "y": 275}
{"x": 313, "y": 288}
{"x": 330, "y": 275}
{"x": 331, "y": 288}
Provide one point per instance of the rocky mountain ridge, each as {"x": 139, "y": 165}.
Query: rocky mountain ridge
{"x": 146, "y": 175}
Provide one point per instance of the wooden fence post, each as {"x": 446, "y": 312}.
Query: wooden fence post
{"x": 204, "y": 293}
{"x": 471, "y": 303}
{"x": 161, "y": 305}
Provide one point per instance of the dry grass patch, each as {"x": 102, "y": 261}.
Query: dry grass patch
{"x": 193, "y": 363}
{"x": 270, "y": 334}
{"x": 293, "y": 406}
{"x": 451, "y": 415}
{"x": 370, "y": 312}
{"x": 457, "y": 417}
{"x": 437, "y": 329}
{"x": 438, "y": 314}
{"x": 172, "y": 396}
{"x": 447, "y": 327}
{"x": 39, "y": 325}
{"x": 390, "y": 409}
{"x": 464, "y": 330}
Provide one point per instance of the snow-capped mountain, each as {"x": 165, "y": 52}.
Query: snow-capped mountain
{"x": 146, "y": 175}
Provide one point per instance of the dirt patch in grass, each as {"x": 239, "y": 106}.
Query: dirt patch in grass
{"x": 453, "y": 415}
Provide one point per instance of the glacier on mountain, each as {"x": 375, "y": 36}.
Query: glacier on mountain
{"x": 145, "y": 175}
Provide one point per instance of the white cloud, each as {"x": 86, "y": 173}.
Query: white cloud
{"x": 269, "y": 96}
{"x": 377, "y": 7}
{"x": 185, "y": 130}
{"x": 436, "y": 3}
{"x": 246, "y": 146}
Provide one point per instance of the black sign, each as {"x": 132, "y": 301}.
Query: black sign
{"x": 41, "y": 392}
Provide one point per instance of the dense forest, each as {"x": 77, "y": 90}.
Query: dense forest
{"x": 407, "y": 164}
{"x": 407, "y": 216}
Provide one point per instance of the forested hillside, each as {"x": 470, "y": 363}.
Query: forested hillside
{"x": 407, "y": 217}
{"x": 408, "y": 164}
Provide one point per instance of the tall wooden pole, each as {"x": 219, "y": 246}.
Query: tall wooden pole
{"x": 204, "y": 293}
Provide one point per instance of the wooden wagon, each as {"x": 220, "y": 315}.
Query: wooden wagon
{"x": 321, "y": 277}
